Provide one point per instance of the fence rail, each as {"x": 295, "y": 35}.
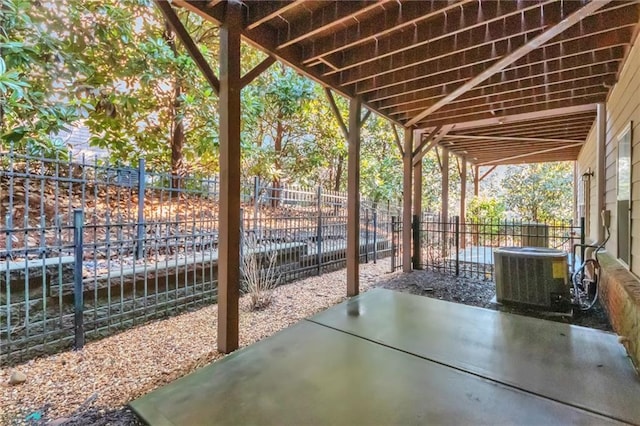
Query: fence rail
{"x": 466, "y": 248}
{"x": 87, "y": 249}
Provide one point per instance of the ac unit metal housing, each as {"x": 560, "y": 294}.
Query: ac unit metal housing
{"x": 532, "y": 276}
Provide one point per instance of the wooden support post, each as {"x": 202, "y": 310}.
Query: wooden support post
{"x": 407, "y": 161}
{"x": 476, "y": 181}
{"x": 229, "y": 237}
{"x": 444, "y": 207}
{"x": 463, "y": 199}
{"x": 353, "y": 199}
{"x": 417, "y": 210}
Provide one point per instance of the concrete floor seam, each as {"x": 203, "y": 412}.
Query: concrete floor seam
{"x": 462, "y": 370}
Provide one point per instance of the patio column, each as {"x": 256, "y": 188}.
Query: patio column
{"x": 229, "y": 229}
{"x": 601, "y": 174}
{"x": 407, "y": 162}
{"x": 353, "y": 199}
{"x": 417, "y": 207}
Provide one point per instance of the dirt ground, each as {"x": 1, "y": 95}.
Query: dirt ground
{"x": 77, "y": 388}
{"x": 480, "y": 293}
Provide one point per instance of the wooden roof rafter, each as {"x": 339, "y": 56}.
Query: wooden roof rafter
{"x": 438, "y": 63}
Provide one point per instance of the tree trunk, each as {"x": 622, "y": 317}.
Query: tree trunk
{"x": 339, "y": 170}
{"x": 176, "y": 114}
{"x": 277, "y": 144}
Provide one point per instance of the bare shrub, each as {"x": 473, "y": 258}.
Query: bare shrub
{"x": 260, "y": 274}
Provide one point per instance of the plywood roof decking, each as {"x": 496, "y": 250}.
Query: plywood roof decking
{"x": 434, "y": 63}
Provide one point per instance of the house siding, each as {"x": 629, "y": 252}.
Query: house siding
{"x": 619, "y": 284}
{"x": 623, "y": 106}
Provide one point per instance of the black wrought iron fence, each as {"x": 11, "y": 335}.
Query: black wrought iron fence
{"x": 87, "y": 249}
{"x": 466, "y": 248}
{"x": 396, "y": 242}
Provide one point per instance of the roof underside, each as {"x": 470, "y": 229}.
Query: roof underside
{"x": 519, "y": 80}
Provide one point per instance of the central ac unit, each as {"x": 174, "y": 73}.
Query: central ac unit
{"x": 533, "y": 276}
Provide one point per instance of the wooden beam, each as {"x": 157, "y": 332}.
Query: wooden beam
{"x": 396, "y": 138}
{"x": 395, "y": 18}
{"x": 526, "y": 116}
{"x": 336, "y": 112}
{"x": 335, "y": 14}
{"x": 353, "y": 199}
{"x": 472, "y": 49}
{"x": 532, "y": 128}
{"x": 264, "y": 38}
{"x": 499, "y": 101}
{"x": 195, "y": 53}
{"x": 464, "y": 65}
{"x": 526, "y": 70}
{"x": 530, "y": 154}
{"x": 407, "y": 171}
{"x": 365, "y": 117}
{"x": 425, "y": 140}
{"x": 586, "y": 75}
{"x": 436, "y": 140}
{"x": 229, "y": 209}
{"x": 498, "y": 66}
{"x": 485, "y": 174}
{"x": 508, "y": 139}
{"x": 257, "y": 70}
{"x": 520, "y": 108}
{"x": 469, "y": 23}
{"x": 260, "y": 12}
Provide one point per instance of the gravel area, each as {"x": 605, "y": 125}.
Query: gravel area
{"x": 92, "y": 386}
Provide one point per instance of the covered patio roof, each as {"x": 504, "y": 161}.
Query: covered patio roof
{"x": 494, "y": 82}
{"x": 493, "y": 70}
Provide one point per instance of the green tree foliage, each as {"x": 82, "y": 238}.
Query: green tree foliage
{"x": 150, "y": 98}
{"x": 37, "y": 78}
{"x": 277, "y": 108}
{"x": 485, "y": 210}
{"x": 381, "y": 162}
{"x": 540, "y": 192}
{"x": 116, "y": 66}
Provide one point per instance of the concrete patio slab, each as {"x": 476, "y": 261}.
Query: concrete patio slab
{"x": 577, "y": 366}
{"x": 391, "y": 358}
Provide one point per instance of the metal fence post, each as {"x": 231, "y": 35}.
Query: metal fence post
{"x": 256, "y": 191}
{"x": 375, "y": 236}
{"x": 393, "y": 243}
{"x": 9, "y": 240}
{"x": 366, "y": 235}
{"x": 78, "y": 226}
{"x": 417, "y": 249}
{"x": 142, "y": 178}
{"x": 457, "y": 231}
{"x": 319, "y": 232}
{"x": 242, "y": 239}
